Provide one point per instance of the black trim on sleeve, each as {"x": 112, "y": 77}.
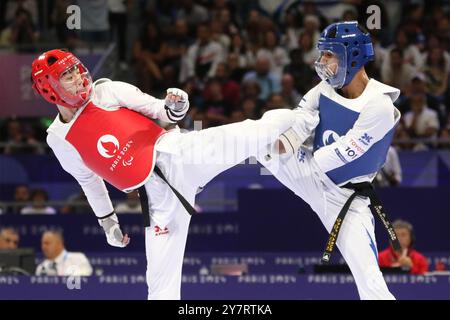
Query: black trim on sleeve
{"x": 172, "y": 115}
{"x": 107, "y": 216}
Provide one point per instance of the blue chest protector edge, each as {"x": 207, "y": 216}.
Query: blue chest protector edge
{"x": 337, "y": 118}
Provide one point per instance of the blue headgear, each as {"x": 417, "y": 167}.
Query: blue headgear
{"x": 350, "y": 45}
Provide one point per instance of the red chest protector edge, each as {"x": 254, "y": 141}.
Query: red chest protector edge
{"x": 117, "y": 145}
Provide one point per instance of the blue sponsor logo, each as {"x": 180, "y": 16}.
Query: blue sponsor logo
{"x": 301, "y": 155}
{"x": 329, "y": 140}
{"x": 365, "y": 139}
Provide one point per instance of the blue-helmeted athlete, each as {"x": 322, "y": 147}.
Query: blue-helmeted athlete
{"x": 343, "y": 129}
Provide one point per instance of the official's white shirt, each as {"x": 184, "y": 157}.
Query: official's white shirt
{"x": 107, "y": 94}
{"x": 33, "y": 210}
{"x": 66, "y": 264}
{"x": 428, "y": 118}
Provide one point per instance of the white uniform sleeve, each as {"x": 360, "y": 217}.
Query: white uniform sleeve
{"x": 93, "y": 186}
{"x": 307, "y": 114}
{"x": 373, "y": 124}
{"x": 131, "y": 97}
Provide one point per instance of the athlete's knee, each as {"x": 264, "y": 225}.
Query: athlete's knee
{"x": 278, "y": 121}
{"x": 284, "y": 116}
{"x": 278, "y": 113}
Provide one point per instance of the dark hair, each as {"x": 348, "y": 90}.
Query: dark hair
{"x": 204, "y": 24}
{"x": 363, "y": 29}
{"x": 57, "y": 232}
{"x": 243, "y": 48}
{"x": 403, "y": 224}
{"x": 20, "y": 11}
{"x": 441, "y": 59}
{"x": 295, "y": 54}
{"x": 21, "y": 185}
{"x": 10, "y": 229}
{"x": 41, "y": 192}
{"x": 397, "y": 50}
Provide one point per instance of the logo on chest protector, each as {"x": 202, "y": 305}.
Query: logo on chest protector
{"x": 159, "y": 231}
{"x": 329, "y": 137}
{"x": 108, "y": 146}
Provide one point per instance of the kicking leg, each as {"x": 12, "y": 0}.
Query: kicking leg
{"x": 206, "y": 153}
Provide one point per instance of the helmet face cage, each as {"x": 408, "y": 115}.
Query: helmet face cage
{"x": 70, "y": 79}
{"x": 73, "y": 87}
{"x": 60, "y": 78}
{"x": 351, "y": 44}
{"x": 334, "y": 75}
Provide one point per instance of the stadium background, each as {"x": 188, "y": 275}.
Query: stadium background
{"x": 253, "y": 238}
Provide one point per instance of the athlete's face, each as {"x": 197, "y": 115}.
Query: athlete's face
{"x": 327, "y": 65}
{"x": 329, "y": 59}
{"x": 72, "y": 81}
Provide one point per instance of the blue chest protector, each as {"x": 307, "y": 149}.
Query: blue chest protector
{"x": 335, "y": 121}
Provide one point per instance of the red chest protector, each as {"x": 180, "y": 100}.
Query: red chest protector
{"x": 118, "y": 145}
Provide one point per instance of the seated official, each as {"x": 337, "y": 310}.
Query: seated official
{"x": 409, "y": 259}
{"x": 59, "y": 261}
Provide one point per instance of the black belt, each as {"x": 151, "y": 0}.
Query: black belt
{"x": 144, "y": 199}
{"x": 364, "y": 189}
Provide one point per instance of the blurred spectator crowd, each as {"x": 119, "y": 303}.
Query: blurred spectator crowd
{"x": 34, "y": 201}
{"x": 239, "y": 58}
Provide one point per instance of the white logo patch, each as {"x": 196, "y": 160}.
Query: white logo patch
{"x": 329, "y": 136}
{"x": 107, "y": 146}
{"x": 128, "y": 163}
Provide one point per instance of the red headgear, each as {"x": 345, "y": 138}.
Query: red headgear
{"x": 46, "y": 73}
